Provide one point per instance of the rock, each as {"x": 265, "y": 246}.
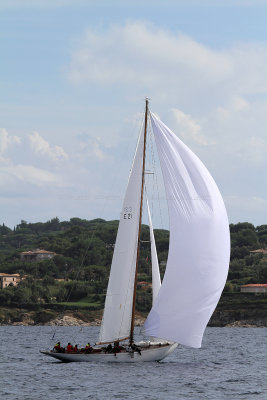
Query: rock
{"x": 247, "y": 324}
{"x": 25, "y": 319}
{"x": 139, "y": 321}
{"x": 67, "y": 320}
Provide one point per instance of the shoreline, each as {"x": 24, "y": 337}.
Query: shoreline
{"x": 234, "y": 318}
{"x": 70, "y": 320}
{"x": 236, "y": 324}
{"x": 47, "y": 318}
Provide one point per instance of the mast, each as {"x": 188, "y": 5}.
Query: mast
{"x": 139, "y": 229}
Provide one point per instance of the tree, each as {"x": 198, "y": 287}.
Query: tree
{"x": 4, "y": 230}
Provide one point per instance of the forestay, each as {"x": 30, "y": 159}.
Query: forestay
{"x": 119, "y": 299}
{"x": 199, "y": 246}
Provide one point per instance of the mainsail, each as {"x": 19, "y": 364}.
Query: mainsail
{"x": 199, "y": 247}
{"x": 116, "y": 320}
{"x": 156, "y": 281}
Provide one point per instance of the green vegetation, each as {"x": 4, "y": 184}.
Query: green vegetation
{"x": 246, "y": 267}
{"x": 78, "y": 274}
{"x": 77, "y": 277}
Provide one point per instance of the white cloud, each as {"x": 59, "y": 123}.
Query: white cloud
{"x": 28, "y": 174}
{"x": 155, "y": 60}
{"x": 41, "y": 146}
{"x": 6, "y": 140}
{"x": 138, "y": 54}
{"x": 222, "y": 94}
{"x": 92, "y": 147}
{"x": 215, "y": 99}
{"x": 17, "y": 171}
{"x": 188, "y": 128}
{"x": 239, "y": 104}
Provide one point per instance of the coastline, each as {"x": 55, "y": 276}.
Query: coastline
{"x": 49, "y": 318}
{"x": 71, "y": 318}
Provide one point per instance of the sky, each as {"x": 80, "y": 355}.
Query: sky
{"x": 73, "y": 78}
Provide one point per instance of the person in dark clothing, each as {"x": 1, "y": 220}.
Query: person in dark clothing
{"x": 88, "y": 348}
{"x": 108, "y": 349}
{"x": 116, "y": 348}
{"x": 135, "y": 348}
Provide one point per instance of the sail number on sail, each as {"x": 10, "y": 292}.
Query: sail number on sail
{"x": 127, "y": 213}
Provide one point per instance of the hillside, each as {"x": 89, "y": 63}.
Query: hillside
{"x": 76, "y": 278}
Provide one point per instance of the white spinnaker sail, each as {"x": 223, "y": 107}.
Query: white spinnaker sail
{"x": 116, "y": 320}
{"x": 199, "y": 247}
{"x": 156, "y": 281}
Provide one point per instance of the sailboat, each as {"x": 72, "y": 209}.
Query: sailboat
{"x": 197, "y": 264}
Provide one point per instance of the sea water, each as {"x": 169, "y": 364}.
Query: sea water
{"x": 231, "y": 364}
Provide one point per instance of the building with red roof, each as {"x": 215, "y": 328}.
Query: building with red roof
{"x": 254, "y": 288}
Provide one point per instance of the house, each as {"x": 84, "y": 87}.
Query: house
{"x": 37, "y": 255}
{"x": 254, "y": 288}
{"x": 7, "y": 279}
{"x": 258, "y": 251}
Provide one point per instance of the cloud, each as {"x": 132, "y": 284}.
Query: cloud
{"x": 215, "y": 99}
{"x": 6, "y": 140}
{"x": 92, "y": 147}
{"x": 17, "y": 168}
{"x": 222, "y": 93}
{"x": 166, "y": 64}
{"x": 27, "y": 174}
{"x": 143, "y": 55}
{"x": 41, "y": 146}
{"x": 188, "y": 128}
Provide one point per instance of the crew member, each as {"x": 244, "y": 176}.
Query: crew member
{"x": 108, "y": 349}
{"x": 57, "y": 347}
{"x": 88, "y": 348}
{"x": 69, "y": 348}
{"x": 116, "y": 348}
{"x": 135, "y": 348}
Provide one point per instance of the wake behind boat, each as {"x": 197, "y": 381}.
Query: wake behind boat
{"x": 197, "y": 265}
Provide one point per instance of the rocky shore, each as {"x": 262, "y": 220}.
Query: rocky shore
{"x": 242, "y": 317}
{"x": 72, "y": 321}
{"x": 66, "y": 320}
{"x": 248, "y": 324}
{"x": 49, "y": 318}
{"x": 28, "y": 318}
